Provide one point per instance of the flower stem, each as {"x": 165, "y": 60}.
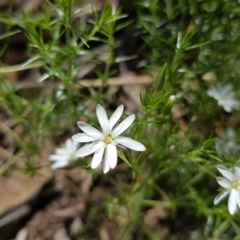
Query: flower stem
{"x": 68, "y": 20}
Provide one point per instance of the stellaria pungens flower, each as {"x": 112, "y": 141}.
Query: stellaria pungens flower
{"x": 64, "y": 155}
{"x": 225, "y": 96}
{"x": 231, "y": 184}
{"x": 228, "y": 143}
{"x": 106, "y": 140}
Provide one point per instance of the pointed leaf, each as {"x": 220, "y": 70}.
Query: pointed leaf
{"x": 123, "y": 157}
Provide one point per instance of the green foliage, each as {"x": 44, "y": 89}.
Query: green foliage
{"x": 188, "y": 46}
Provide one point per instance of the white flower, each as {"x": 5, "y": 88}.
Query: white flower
{"x": 172, "y": 98}
{"x": 225, "y": 96}
{"x": 107, "y": 139}
{"x": 231, "y": 185}
{"x": 227, "y": 143}
{"x": 63, "y": 156}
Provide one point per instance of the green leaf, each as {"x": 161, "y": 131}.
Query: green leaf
{"x": 197, "y": 45}
{"x": 124, "y": 58}
{"x": 236, "y": 228}
{"x": 115, "y": 18}
{"x": 21, "y": 67}
{"x": 8, "y": 34}
{"x": 79, "y": 34}
{"x": 160, "y": 78}
{"x": 123, "y": 157}
{"x": 175, "y": 129}
{"x": 123, "y": 25}
{"x": 208, "y": 143}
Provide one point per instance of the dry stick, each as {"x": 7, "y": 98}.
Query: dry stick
{"x": 5, "y": 153}
{"x": 9, "y": 163}
{"x": 117, "y": 81}
{"x": 11, "y": 158}
{"x": 5, "y": 129}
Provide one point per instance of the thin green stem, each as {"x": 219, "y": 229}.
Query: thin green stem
{"x": 11, "y": 161}
{"x": 68, "y": 41}
{"x": 69, "y": 75}
{"x": 110, "y": 50}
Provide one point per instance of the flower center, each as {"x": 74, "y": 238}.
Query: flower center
{"x": 108, "y": 139}
{"x": 234, "y": 184}
{"x": 72, "y": 156}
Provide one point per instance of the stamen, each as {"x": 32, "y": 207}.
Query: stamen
{"x": 108, "y": 139}
{"x": 234, "y": 184}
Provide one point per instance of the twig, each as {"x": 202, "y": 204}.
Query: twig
{"x": 116, "y": 81}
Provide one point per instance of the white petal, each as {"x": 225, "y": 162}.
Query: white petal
{"x": 232, "y": 201}
{"x": 224, "y": 182}
{"x": 82, "y": 137}
{"x": 211, "y": 93}
{"x": 237, "y": 173}
{"x": 130, "y": 143}
{"x": 111, "y": 156}
{"x": 126, "y": 123}
{"x": 57, "y": 157}
{"x": 238, "y": 201}
{"x": 226, "y": 107}
{"x": 74, "y": 146}
{"x": 89, "y": 149}
{"x": 102, "y": 119}
{"x": 97, "y": 158}
{"x": 61, "y": 151}
{"x": 89, "y": 130}
{"x": 227, "y": 88}
{"x": 68, "y": 144}
{"x": 57, "y": 165}
{"x": 225, "y": 172}
{"x": 220, "y": 197}
{"x": 116, "y": 116}
{"x": 106, "y": 167}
